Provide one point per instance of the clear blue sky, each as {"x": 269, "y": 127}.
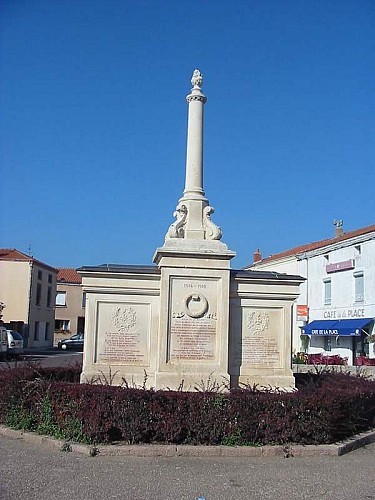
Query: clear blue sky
{"x": 93, "y": 129}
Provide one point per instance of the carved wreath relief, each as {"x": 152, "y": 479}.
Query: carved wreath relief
{"x": 124, "y": 318}
{"x": 257, "y": 322}
{"x": 195, "y": 305}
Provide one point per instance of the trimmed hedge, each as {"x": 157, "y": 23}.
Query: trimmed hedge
{"x": 328, "y": 409}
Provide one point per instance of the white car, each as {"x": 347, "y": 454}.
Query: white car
{"x": 15, "y": 343}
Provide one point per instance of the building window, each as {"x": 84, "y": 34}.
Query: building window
{"x": 359, "y": 287}
{"x": 62, "y": 324}
{"x": 327, "y": 344}
{"x": 327, "y": 292}
{"x": 84, "y": 300}
{"x": 36, "y": 330}
{"x": 49, "y": 295}
{"x": 38, "y": 294}
{"x": 40, "y": 275}
{"x": 61, "y": 299}
{"x": 50, "y": 278}
{"x": 46, "y": 332}
{"x": 357, "y": 250}
{"x": 326, "y": 257}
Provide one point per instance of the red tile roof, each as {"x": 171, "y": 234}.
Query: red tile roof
{"x": 15, "y": 255}
{"x": 68, "y": 275}
{"x": 317, "y": 244}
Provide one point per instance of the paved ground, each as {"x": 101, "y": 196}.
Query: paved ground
{"x": 48, "y": 357}
{"x": 29, "y": 472}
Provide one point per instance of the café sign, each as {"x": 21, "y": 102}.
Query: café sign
{"x": 350, "y": 313}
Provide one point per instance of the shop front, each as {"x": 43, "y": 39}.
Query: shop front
{"x": 343, "y": 341}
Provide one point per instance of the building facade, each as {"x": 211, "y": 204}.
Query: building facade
{"x": 334, "y": 314}
{"x": 70, "y": 304}
{"x": 28, "y": 290}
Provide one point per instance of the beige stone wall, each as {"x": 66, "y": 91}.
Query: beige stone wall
{"x": 19, "y": 291}
{"x": 42, "y": 313}
{"x": 73, "y": 308}
{"x": 15, "y": 289}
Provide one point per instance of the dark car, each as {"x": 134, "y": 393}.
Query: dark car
{"x": 75, "y": 342}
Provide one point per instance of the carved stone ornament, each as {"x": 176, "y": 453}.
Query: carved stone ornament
{"x": 195, "y": 305}
{"x": 176, "y": 229}
{"x": 124, "y": 318}
{"x": 213, "y": 232}
{"x": 196, "y": 97}
{"x": 258, "y": 322}
{"x": 197, "y": 79}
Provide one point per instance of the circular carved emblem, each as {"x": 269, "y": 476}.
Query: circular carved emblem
{"x": 195, "y": 305}
{"x": 124, "y": 318}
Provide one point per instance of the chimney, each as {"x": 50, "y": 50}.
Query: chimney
{"x": 257, "y": 256}
{"x": 339, "y": 231}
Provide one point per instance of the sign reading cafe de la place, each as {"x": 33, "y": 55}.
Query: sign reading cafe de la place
{"x": 189, "y": 318}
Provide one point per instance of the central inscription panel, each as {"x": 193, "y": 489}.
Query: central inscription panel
{"x": 193, "y": 319}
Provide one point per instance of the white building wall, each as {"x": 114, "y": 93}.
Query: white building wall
{"x": 343, "y": 301}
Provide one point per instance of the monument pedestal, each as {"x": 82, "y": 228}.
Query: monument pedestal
{"x": 194, "y": 314}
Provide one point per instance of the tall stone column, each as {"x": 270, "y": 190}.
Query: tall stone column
{"x": 194, "y": 153}
{"x": 193, "y": 225}
{"x": 194, "y": 233}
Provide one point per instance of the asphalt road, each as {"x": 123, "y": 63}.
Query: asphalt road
{"x": 31, "y": 472}
{"x": 51, "y": 357}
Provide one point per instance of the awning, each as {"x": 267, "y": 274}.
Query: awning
{"x": 349, "y": 327}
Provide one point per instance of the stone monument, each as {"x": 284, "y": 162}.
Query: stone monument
{"x": 189, "y": 321}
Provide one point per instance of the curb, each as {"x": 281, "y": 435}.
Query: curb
{"x": 156, "y": 450}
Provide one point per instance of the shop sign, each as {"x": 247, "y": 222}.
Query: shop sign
{"x": 340, "y": 266}
{"x": 302, "y": 312}
{"x": 344, "y": 314}
{"x": 325, "y": 332}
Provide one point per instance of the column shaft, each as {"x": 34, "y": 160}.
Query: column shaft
{"x": 194, "y": 154}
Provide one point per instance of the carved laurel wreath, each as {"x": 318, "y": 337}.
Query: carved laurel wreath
{"x": 124, "y": 318}
{"x": 258, "y": 322}
{"x": 200, "y": 303}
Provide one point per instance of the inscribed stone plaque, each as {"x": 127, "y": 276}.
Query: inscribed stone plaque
{"x": 193, "y": 319}
{"x": 123, "y": 334}
{"x": 262, "y": 331}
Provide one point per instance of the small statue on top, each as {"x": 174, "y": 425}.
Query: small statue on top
{"x": 197, "y": 79}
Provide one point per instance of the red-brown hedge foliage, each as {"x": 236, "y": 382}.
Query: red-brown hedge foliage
{"x": 328, "y": 409}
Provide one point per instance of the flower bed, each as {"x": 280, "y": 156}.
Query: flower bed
{"x": 332, "y": 408}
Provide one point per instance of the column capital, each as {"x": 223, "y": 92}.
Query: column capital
{"x": 196, "y": 97}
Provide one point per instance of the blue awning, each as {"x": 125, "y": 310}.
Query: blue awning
{"x": 348, "y": 327}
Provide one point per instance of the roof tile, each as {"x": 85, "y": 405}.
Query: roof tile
{"x": 68, "y": 275}
{"x": 317, "y": 244}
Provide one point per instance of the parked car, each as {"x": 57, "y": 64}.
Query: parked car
{"x": 15, "y": 343}
{"x": 75, "y": 342}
